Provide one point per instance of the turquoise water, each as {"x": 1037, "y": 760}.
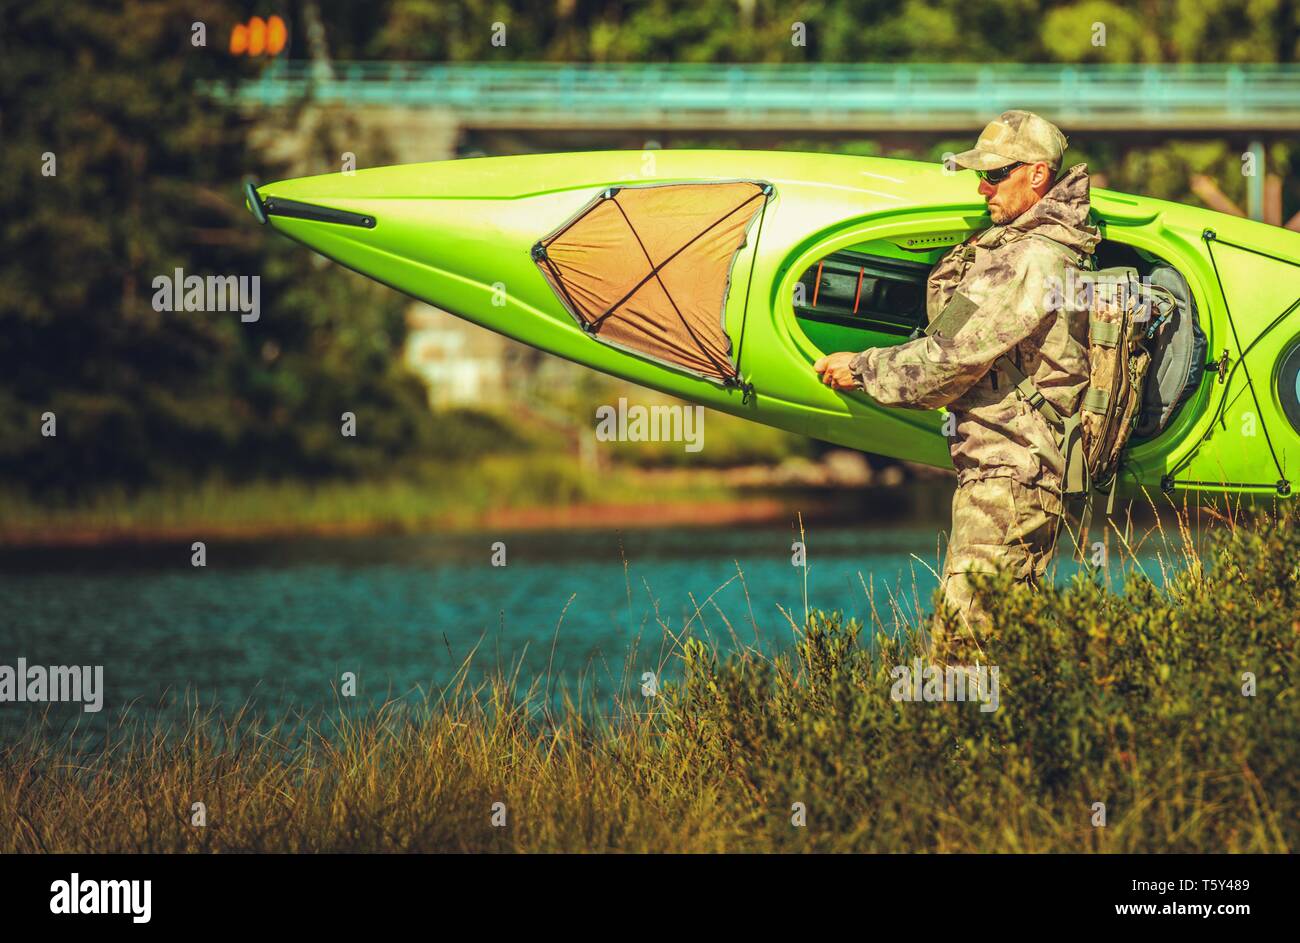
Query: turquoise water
{"x": 277, "y": 623}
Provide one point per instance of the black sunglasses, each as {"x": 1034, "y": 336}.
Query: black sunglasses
{"x": 1000, "y": 174}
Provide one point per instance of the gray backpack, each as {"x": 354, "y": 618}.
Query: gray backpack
{"x": 1178, "y": 363}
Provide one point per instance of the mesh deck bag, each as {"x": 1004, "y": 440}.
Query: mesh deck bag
{"x": 648, "y": 268}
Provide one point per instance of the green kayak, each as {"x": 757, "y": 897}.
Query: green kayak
{"x": 721, "y": 277}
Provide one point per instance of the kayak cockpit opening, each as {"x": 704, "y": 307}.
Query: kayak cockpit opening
{"x": 859, "y": 290}
{"x": 868, "y": 295}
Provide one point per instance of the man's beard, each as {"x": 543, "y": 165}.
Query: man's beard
{"x": 1002, "y": 215}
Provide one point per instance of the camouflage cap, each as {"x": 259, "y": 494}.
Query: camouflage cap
{"x": 1015, "y": 136}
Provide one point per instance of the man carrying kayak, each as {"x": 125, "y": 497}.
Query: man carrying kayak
{"x": 1001, "y": 292}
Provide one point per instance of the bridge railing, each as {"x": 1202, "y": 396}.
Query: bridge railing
{"x": 1260, "y": 95}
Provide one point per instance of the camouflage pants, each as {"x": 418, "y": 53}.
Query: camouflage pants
{"x": 995, "y": 522}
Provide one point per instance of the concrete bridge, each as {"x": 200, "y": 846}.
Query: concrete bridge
{"x": 822, "y": 100}
{"x": 397, "y": 112}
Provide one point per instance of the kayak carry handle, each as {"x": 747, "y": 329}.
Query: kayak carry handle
{"x": 254, "y": 201}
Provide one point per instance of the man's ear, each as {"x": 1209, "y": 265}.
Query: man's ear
{"x": 1040, "y": 178}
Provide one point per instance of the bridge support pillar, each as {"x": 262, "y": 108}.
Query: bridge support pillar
{"x": 1255, "y": 182}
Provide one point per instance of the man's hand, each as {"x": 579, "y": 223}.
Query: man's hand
{"x": 834, "y": 370}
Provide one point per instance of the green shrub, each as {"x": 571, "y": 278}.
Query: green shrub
{"x": 1133, "y": 700}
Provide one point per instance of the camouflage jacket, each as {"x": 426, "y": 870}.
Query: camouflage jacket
{"x": 1013, "y": 279}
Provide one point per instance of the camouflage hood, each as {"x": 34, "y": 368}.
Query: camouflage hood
{"x": 1061, "y": 215}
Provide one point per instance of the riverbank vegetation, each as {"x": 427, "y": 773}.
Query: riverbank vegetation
{"x": 437, "y": 495}
{"x": 1163, "y": 718}
{"x": 487, "y": 466}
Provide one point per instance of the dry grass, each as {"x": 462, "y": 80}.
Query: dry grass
{"x": 1132, "y": 699}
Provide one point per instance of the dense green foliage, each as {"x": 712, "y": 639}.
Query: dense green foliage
{"x": 145, "y": 182}
{"x": 836, "y": 30}
{"x": 1134, "y": 701}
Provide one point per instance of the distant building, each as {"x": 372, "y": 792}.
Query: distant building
{"x": 459, "y": 362}
{"x": 463, "y": 364}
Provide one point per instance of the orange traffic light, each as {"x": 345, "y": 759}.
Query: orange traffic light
{"x": 276, "y": 35}
{"x": 256, "y": 36}
{"x": 259, "y": 37}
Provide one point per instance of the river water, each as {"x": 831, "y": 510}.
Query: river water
{"x": 278, "y": 623}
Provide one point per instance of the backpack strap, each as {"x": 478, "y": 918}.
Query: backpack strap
{"x": 1068, "y": 429}
{"x": 1077, "y": 482}
{"x": 1026, "y": 390}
